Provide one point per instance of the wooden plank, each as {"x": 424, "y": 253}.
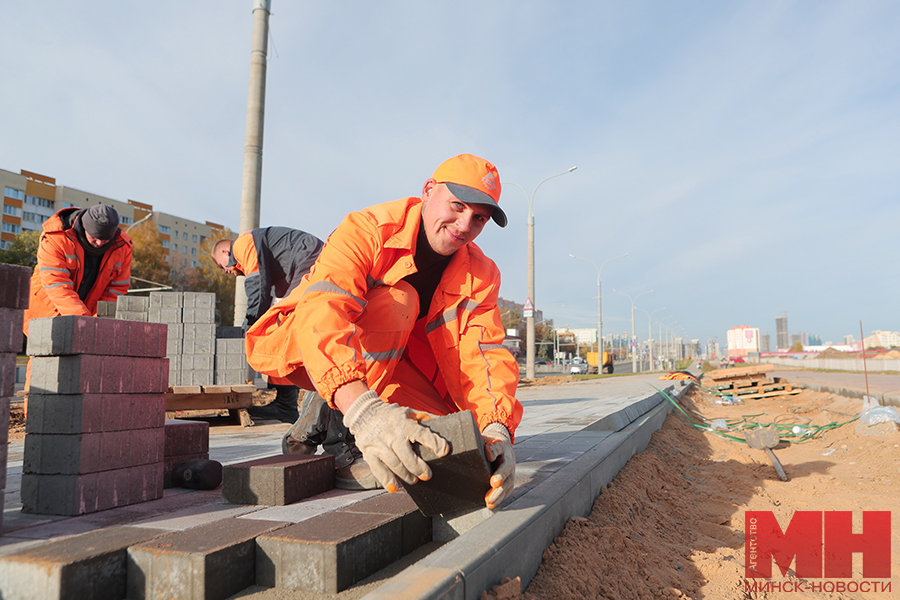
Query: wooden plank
{"x": 202, "y": 401}
{"x": 738, "y": 372}
{"x": 771, "y": 394}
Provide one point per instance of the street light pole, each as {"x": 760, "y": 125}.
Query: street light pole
{"x": 633, "y": 338}
{"x": 650, "y": 331}
{"x": 599, "y": 309}
{"x": 529, "y": 351}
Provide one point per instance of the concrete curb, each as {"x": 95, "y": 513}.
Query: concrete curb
{"x": 512, "y": 542}
{"x": 885, "y": 399}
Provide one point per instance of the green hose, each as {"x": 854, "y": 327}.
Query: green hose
{"x": 748, "y": 423}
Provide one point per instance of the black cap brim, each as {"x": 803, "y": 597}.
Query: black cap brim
{"x": 470, "y": 195}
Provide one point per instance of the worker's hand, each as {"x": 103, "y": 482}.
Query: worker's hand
{"x": 498, "y": 445}
{"x": 385, "y": 433}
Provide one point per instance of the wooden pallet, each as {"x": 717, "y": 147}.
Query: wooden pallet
{"x": 236, "y": 399}
{"x": 786, "y": 392}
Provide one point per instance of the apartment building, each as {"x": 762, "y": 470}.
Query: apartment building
{"x": 29, "y": 199}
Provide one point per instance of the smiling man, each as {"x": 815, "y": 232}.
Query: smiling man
{"x": 399, "y": 317}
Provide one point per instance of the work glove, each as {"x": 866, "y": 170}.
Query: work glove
{"x": 385, "y": 433}
{"x": 498, "y": 445}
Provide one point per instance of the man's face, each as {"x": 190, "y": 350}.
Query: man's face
{"x": 96, "y": 243}
{"x": 221, "y": 259}
{"x": 449, "y": 222}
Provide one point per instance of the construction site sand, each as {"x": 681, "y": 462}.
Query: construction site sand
{"x": 671, "y": 524}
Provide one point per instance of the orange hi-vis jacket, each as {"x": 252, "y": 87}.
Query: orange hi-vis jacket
{"x": 60, "y": 269}
{"x": 314, "y": 326}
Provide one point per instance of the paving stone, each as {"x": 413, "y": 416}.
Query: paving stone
{"x": 230, "y": 362}
{"x": 59, "y": 336}
{"x": 79, "y": 374}
{"x": 209, "y": 562}
{"x": 166, "y": 299}
{"x": 129, "y": 315}
{"x": 198, "y": 315}
{"x": 80, "y": 453}
{"x": 11, "y": 336}
{"x": 147, "y": 339}
{"x": 82, "y": 494}
{"x": 7, "y": 374}
{"x": 174, "y": 346}
{"x": 206, "y": 346}
{"x": 14, "y": 286}
{"x": 199, "y": 300}
{"x": 277, "y": 480}
{"x": 416, "y": 527}
{"x": 325, "y": 554}
{"x": 196, "y": 362}
{"x": 87, "y": 566}
{"x": 164, "y": 315}
{"x": 231, "y": 377}
{"x": 175, "y": 331}
{"x": 229, "y": 332}
{"x": 4, "y": 431}
{"x": 89, "y": 413}
{"x": 186, "y": 437}
{"x": 133, "y": 303}
{"x": 199, "y": 331}
{"x": 151, "y": 375}
{"x": 459, "y": 480}
{"x": 197, "y": 377}
{"x": 230, "y": 346}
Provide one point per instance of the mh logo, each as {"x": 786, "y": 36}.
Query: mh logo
{"x": 821, "y": 544}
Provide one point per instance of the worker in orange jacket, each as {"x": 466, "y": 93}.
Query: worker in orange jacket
{"x": 83, "y": 258}
{"x": 399, "y": 317}
{"x": 273, "y": 261}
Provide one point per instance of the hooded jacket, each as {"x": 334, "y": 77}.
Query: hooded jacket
{"x": 314, "y": 326}
{"x": 60, "y": 270}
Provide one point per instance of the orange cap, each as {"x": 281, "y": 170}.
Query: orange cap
{"x": 474, "y": 181}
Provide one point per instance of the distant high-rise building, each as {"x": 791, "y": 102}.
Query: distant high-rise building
{"x": 781, "y": 333}
{"x": 848, "y": 339}
{"x": 741, "y": 340}
{"x": 795, "y": 339}
{"x": 764, "y": 343}
{"x": 814, "y": 340}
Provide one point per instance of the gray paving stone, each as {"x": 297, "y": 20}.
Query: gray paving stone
{"x": 459, "y": 480}
{"x": 209, "y": 562}
{"x": 277, "y": 480}
{"x": 324, "y": 554}
{"x": 89, "y": 566}
{"x": 166, "y": 300}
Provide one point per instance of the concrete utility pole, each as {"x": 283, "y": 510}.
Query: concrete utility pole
{"x": 253, "y": 140}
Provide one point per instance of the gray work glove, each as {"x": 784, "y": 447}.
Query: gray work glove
{"x": 498, "y": 444}
{"x": 385, "y": 433}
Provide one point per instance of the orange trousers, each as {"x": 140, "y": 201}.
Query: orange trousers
{"x": 400, "y": 365}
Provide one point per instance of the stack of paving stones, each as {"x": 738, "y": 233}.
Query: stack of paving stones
{"x": 185, "y": 440}
{"x": 96, "y": 412}
{"x": 14, "y": 288}
{"x": 191, "y": 336}
{"x": 231, "y": 357}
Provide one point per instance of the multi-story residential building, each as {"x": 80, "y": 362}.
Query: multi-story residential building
{"x": 742, "y": 340}
{"x": 29, "y": 199}
{"x": 882, "y": 339}
{"x": 781, "y": 333}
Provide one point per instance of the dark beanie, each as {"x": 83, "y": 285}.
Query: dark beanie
{"x": 101, "y": 221}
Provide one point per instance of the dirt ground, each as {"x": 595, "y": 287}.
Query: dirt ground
{"x": 671, "y": 524}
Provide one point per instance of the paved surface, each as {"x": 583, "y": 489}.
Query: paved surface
{"x": 561, "y": 467}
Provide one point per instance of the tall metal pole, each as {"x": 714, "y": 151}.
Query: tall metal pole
{"x": 253, "y": 139}
{"x": 529, "y": 341}
{"x": 599, "y": 308}
{"x": 633, "y": 338}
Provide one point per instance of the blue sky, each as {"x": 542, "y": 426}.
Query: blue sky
{"x": 745, "y": 154}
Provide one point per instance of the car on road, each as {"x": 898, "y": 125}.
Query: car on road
{"x": 578, "y": 369}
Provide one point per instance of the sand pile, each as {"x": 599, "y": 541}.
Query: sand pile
{"x": 671, "y": 524}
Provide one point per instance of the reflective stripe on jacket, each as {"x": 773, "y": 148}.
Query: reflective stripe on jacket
{"x": 376, "y": 247}
{"x": 60, "y": 269}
